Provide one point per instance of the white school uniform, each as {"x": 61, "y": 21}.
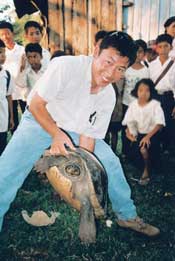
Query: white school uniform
{"x": 4, "y": 110}
{"x": 143, "y": 119}
{"x": 172, "y": 52}
{"x": 46, "y": 58}
{"x": 12, "y": 64}
{"x": 167, "y": 83}
{"x": 66, "y": 86}
{"x": 27, "y": 79}
{"x": 132, "y": 76}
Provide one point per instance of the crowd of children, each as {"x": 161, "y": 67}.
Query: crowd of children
{"x": 145, "y": 105}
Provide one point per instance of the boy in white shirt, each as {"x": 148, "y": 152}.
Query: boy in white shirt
{"x": 165, "y": 87}
{"x": 12, "y": 63}
{"x": 6, "y": 108}
{"x": 27, "y": 77}
{"x": 33, "y": 34}
{"x": 71, "y": 105}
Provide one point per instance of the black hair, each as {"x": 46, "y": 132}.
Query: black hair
{"x": 32, "y": 24}
{"x": 142, "y": 44}
{"x": 100, "y": 35}
{"x": 164, "y": 38}
{"x": 6, "y": 25}
{"x": 33, "y": 47}
{"x": 122, "y": 42}
{"x": 57, "y": 53}
{"x": 2, "y": 44}
{"x": 169, "y": 21}
{"x": 149, "y": 83}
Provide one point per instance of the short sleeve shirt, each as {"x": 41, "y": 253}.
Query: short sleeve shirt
{"x": 65, "y": 86}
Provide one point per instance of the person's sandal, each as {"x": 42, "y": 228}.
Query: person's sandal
{"x": 144, "y": 181}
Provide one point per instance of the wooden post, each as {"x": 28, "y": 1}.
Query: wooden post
{"x": 119, "y": 7}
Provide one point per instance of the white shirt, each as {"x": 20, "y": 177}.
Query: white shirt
{"x": 132, "y": 76}
{"x": 27, "y": 79}
{"x": 46, "y": 58}
{"x": 167, "y": 83}
{"x": 172, "y": 52}
{"x": 12, "y": 64}
{"x": 66, "y": 85}
{"x": 4, "y": 110}
{"x": 143, "y": 119}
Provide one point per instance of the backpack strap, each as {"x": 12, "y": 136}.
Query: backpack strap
{"x": 164, "y": 72}
{"x": 8, "y": 79}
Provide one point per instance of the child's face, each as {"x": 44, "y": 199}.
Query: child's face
{"x": 171, "y": 29}
{"x": 33, "y": 35}
{"x": 6, "y": 36}
{"x": 143, "y": 92}
{"x": 163, "y": 48}
{"x": 140, "y": 54}
{"x": 34, "y": 59}
{"x": 2, "y": 55}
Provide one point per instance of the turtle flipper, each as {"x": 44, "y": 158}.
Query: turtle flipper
{"x": 87, "y": 228}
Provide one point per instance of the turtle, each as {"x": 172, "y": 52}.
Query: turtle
{"x": 81, "y": 180}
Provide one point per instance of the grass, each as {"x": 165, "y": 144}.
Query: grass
{"x": 155, "y": 203}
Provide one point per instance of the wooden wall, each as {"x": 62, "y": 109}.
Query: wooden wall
{"x": 73, "y": 23}
{"x": 145, "y": 18}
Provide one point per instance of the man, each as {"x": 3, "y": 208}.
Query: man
{"x": 71, "y": 104}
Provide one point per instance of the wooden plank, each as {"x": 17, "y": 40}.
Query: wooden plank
{"x": 145, "y": 19}
{"x": 105, "y": 14}
{"x": 68, "y": 7}
{"x": 154, "y": 18}
{"x": 119, "y": 13}
{"x": 79, "y": 27}
{"x": 112, "y": 22}
{"x": 56, "y": 32}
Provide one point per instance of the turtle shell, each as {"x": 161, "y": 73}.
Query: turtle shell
{"x": 77, "y": 176}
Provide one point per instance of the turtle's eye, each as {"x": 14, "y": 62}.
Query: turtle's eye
{"x": 72, "y": 170}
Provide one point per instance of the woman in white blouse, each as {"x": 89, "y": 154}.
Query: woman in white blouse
{"x": 170, "y": 29}
{"x": 144, "y": 120}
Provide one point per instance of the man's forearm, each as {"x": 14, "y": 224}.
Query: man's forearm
{"x": 87, "y": 143}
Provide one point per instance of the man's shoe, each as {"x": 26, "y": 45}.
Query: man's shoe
{"x": 138, "y": 225}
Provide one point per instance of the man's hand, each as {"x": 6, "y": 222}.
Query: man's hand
{"x": 130, "y": 136}
{"x": 145, "y": 142}
{"x": 23, "y": 62}
{"x": 12, "y": 124}
{"x": 173, "y": 113}
{"x": 59, "y": 142}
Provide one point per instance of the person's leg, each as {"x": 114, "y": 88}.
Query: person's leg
{"x": 24, "y": 149}
{"x": 22, "y": 105}
{"x": 3, "y": 141}
{"x": 145, "y": 175}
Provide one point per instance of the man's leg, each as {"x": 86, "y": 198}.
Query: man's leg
{"x": 17, "y": 160}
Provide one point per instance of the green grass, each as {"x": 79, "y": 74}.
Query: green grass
{"x": 20, "y": 241}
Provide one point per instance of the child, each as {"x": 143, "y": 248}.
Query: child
{"x": 169, "y": 26}
{"x": 27, "y": 77}
{"x": 133, "y": 74}
{"x": 6, "y": 107}
{"x": 14, "y": 54}
{"x": 33, "y": 34}
{"x": 165, "y": 87}
{"x": 144, "y": 119}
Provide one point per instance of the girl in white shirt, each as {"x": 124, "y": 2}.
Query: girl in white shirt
{"x": 144, "y": 120}
{"x": 169, "y": 26}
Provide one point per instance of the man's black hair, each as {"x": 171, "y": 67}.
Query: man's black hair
{"x": 2, "y": 44}
{"x": 148, "y": 82}
{"x": 100, "y": 35}
{"x": 142, "y": 44}
{"x": 164, "y": 38}
{"x": 33, "y": 47}
{"x": 169, "y": 21}
{"x": 122, "y": 42}
{"x": 32, "y": 24}
{"x": 57, "y": 53}
{"x": 6, "y": 25}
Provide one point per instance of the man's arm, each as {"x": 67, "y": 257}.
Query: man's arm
{"x": 87, "y": 143}
{"x": 10, "y": 105}
{"x": 59, "y": 138}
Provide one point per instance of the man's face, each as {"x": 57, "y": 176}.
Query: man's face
{"x": 33, "y": 35}
{"x": 163, "y": 48}
{"x": 2, "y": 55}
{"x": 108, "y": 67}
{"x": 34, "y": 60}
{"x": 6, "y": 36}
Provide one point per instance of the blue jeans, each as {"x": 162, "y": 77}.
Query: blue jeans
{"x": 28, "y": 144}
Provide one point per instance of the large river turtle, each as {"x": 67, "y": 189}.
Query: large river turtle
{"x": 81, "y": 180}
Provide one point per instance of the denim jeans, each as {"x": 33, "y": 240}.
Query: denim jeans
{"x": 28, "y": 144}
